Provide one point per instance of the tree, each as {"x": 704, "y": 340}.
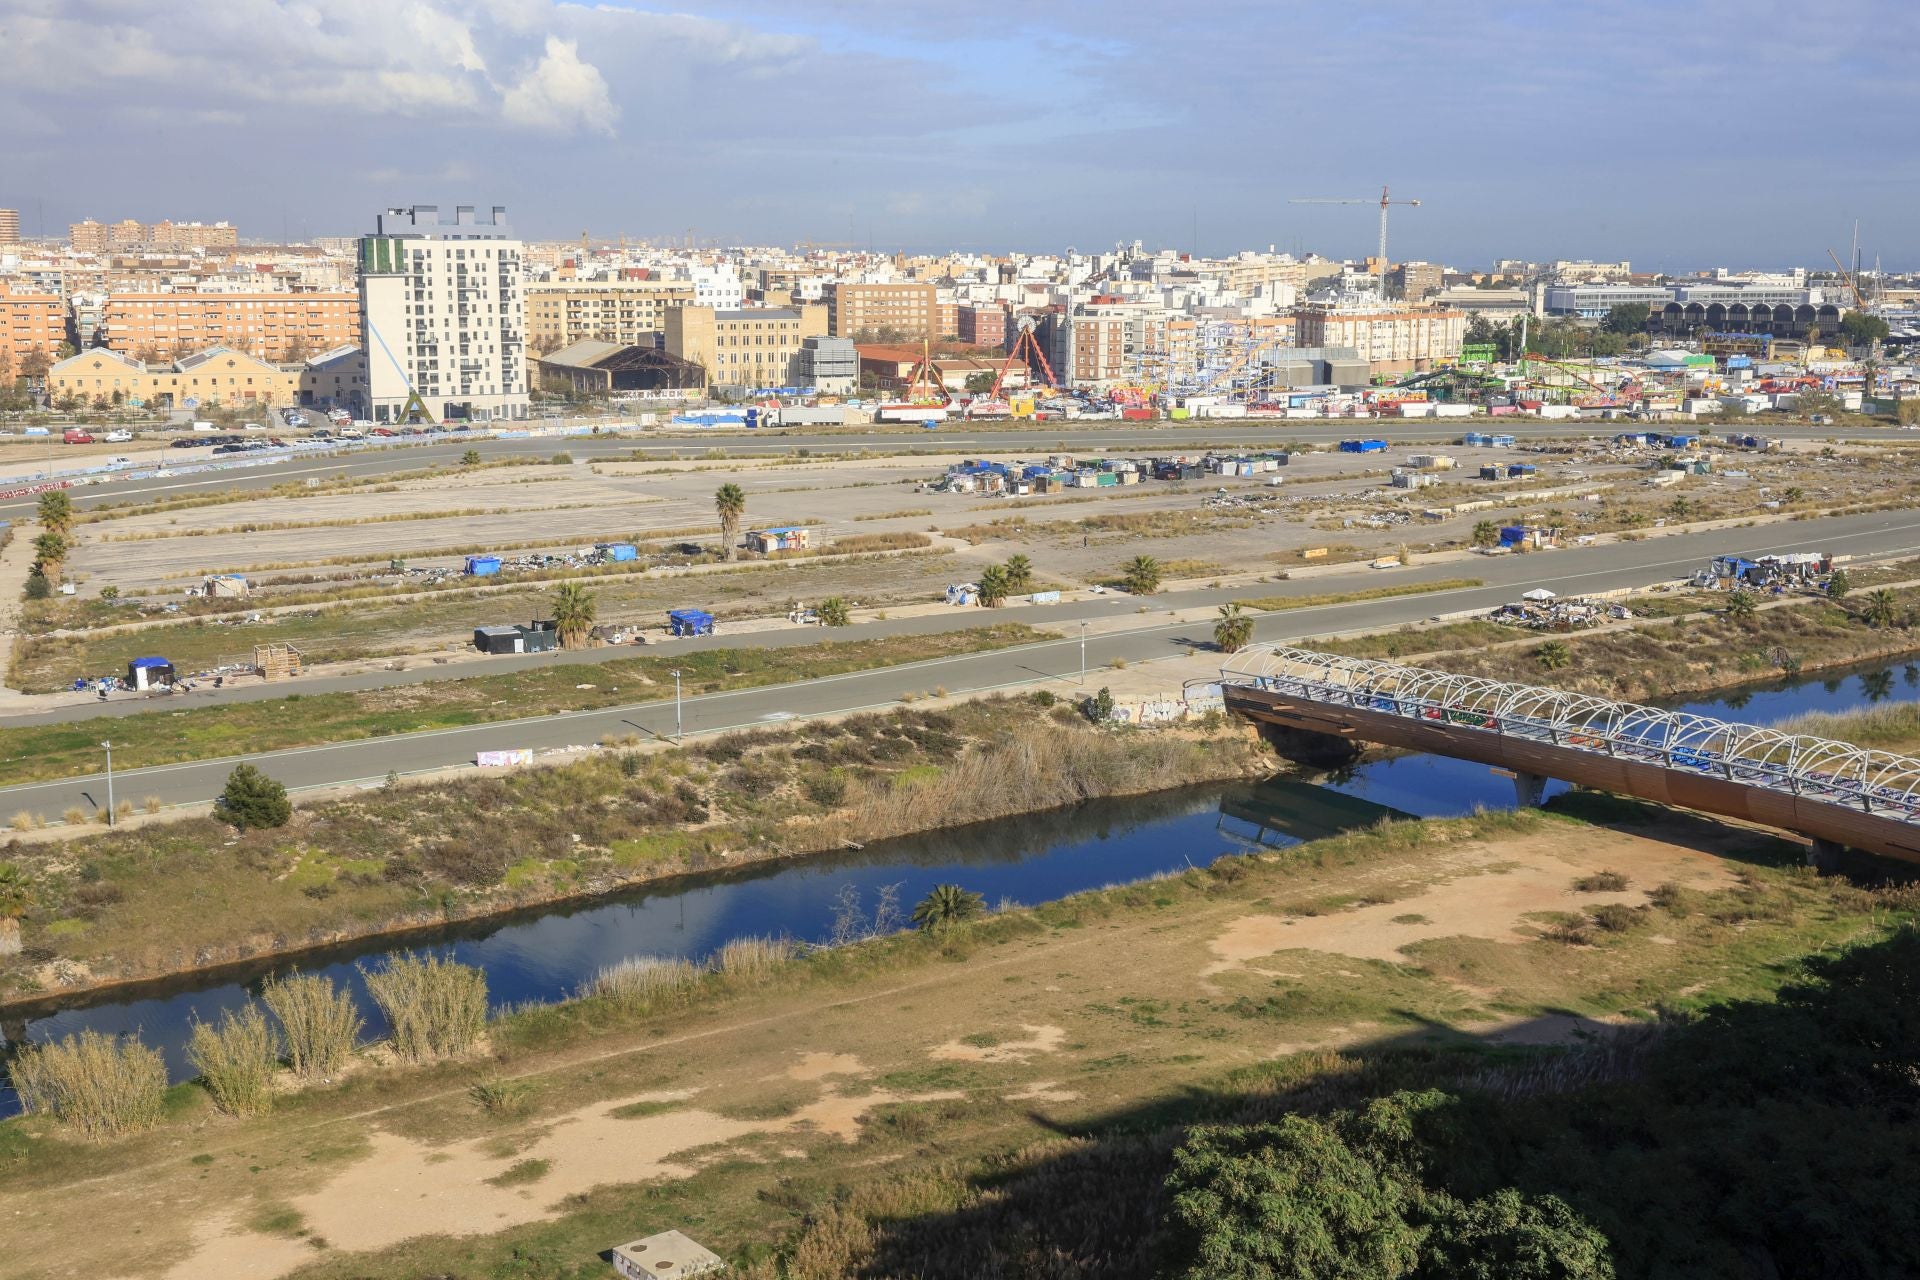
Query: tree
{"x": 56, "y": 510}
{"x": 1860, "y": 329}
{"x": 573, "y": 612}
{"x": 1486, "y": 534}
{"x": 1098, "y": 708}
{"x": 49, "y": 548}
{"x": 1234, "y": 631}
{"x": 252, "y": 799}
{"x": 730, "y": 503}
{"x": 1626, "y": 318}
{"x": 945, "y": 906}
{"x": 1506, "y": 1236}
{"x": 1019, "y": 574}
{"x": 1141, "y": 576}
{"x": 1553, "y": 655}
{"x": 1882, "y": 609}
{"x": 993, "y": 586}
{"x": 980, "y": 383}
{"x": 833, "y": 612}
{"x": 1741, "y": 606}
{"x": 38, "y": 588}
{"x": 1839, "y": 584}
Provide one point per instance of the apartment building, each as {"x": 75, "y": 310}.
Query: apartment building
{"x": 442, "y": 309}
{"x": 902, "y": 311}
{"x": 1109, "y": 338}
{"x": 1390, "y": 339}
{"x": 749, "y": 348}
{"x": 219, "y": 375}
{"x": 31, "y": 323}
{"x": 1414, "y": 281}
{"x": 9, "y": 226}
{"x": 273, "y": 326}
{"x": 989, "y": 326}
{"x": 98, "y": 237}
{"x": 627, "y": 313}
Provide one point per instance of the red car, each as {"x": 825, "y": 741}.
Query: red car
{"x": 381, "y": 431}
{"x": 75, "y": 435}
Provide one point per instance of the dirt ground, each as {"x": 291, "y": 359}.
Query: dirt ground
{"x": 1049, "y": 1027}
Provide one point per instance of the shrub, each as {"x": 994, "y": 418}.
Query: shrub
{"x": 252, "y": 799}
{"x": 1615, "y": 917}
{"x": 38, "y": 588}
{"x": 467, "y": 862}
{"x": 319, "y": 1022}
{"x": 236, "y": 1060}
{"x": 645, "y": 981}
{"x": 1099, "y": 708}
{"x": 500, "y": 1096}
{"x": 102, "y": 1085}
{"x": 1602, "y": 882}
{"x": 945, "y": 906}
{"x": 436, "y": 1007}
{"x": 833, "y": 612}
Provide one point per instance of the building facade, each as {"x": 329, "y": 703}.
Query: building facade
{"x": 830, "y": 366}
{"x": 442, "y": 310}
{"x": 1389, "y": 339}
{"x": 902, "y": 312}
{"x": 749, "y": 348}
{"x": 626, "y": 313}
{"x": 1414, "y": 281}
{"x": 216, "y": 376}
{"x": 1110, "y": 341}
{"x": 274, "y": 326}
{"x": 9, "y": 226}
{"x": 30, "y": 323}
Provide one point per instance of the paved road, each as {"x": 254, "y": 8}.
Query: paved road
{"x": 1054, "y": 662}
{"x": 957, "y": 439}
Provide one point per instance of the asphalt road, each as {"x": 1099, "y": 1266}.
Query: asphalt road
{"x": 1054, "y": 663}
{"x": 957, "y": 439}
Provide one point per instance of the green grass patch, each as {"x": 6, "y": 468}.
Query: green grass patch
{"x": 521, "y": 1173}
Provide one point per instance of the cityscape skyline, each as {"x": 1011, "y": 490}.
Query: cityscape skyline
{"x": 1524, "y": 129}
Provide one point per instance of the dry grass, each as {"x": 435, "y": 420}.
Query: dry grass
{"x": 1275, "y": 604}
{"x": 751, "y": 960}
{"x": 319, "y": 1021}
{"x": 645, "y": 982}
{"x": 236, "y": 1060}
{"x": 436, "y": 1007}
{"x": 104, "y": 1086}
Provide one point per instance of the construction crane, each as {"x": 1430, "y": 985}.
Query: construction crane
{"x": 1852, "y": 284}
{"x": 1384, "y": 202}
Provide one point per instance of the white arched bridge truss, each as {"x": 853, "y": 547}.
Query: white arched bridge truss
{"x": 1798, "y": 765}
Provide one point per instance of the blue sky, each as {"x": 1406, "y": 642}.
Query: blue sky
{"x": 1677, "y": 135}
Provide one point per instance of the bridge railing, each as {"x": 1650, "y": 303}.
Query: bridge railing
{"x": 1876, "y": 782}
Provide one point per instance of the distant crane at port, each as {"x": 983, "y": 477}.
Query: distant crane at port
{"x": 1850, "y": 280}
{"x": 1384, "y": 202}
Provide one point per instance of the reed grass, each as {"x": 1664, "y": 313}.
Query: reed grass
{"x": 319, "y": 1022}
{"x": 752, "y": 959}
{"x": 102, "y": 1085}
{"x": 435, "y": 1007}
{"x": 645, "y": 982}
{"x": 236, "y": 1060}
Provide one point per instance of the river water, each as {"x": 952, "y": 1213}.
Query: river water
{"x": 550, "y": 954}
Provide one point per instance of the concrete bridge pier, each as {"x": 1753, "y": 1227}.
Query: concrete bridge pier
{"x": 1824, "y": 856}
{"x": 1304, "y": 746}
{"x": 1529, "y": 789}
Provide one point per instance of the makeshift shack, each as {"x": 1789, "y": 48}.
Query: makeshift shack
{"x": 224, "y": 585}
{"x": 482, "y": 566}
{"x": 790, "y": 538}
{"x": 690, "y": 622}
{"x": 538, "y": 637}
{"x": 149, "y": 673}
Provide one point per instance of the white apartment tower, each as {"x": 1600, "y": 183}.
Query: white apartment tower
{"x": 441, "y": 308}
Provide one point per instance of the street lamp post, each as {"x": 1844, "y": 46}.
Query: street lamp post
{"x": 109, "y": 747}
{"x": 1083, "y": 652}
{"x": 678, "y": 728}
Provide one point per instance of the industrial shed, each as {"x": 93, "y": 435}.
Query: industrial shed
{"x": 590, "y": 368}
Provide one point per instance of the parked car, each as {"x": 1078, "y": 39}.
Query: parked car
{"x": 119, "y": 436}
{"x": 229, "y": 448}
{"x": 119, "y": 462}
{"x": 253, "y": 426}
{"x": 352, "y": 433}
{"x": 383, "y": 431}
{"x": 76, "y": 435}
{"x": 188, "y": 443}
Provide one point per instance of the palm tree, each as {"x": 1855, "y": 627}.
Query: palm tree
{"x": 49, "y": 548}
{"x": 1740, "y": 606}
{"x": 1141, "y": 576}
{"x": 56, "y": 511}
{"x": 1019, "y": 574}
{"x": 730, "y": 502}
{"x": 946, "y": 905}
{"x": 573, "y": 611}
{"x": 1553, "y": 655}
{"x": 832, "y": 612}
{"x": 993, "y": 586}
{"x": 1234, "y": 631}
{"x": 1485, "y": 533}
{"x": 1882, "y": 609}
{"x": 1793, "y": 494}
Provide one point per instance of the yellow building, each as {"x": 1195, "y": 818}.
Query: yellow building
{"x": 624, "y": 312}
{"x": 218, "y": 375}
{"x": 1391, "y": 339}
{"x": 754, "y": 347}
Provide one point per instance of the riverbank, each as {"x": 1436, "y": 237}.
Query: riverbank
{"x": 183, "y": 897}
{"x": 756, "y": 1112}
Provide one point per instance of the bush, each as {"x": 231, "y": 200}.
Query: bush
{"x": 236, "y": 1060}
{"x": 320, "y": 1024}
{"x": 1099, "y": 708}
{"x": 38, "y": 588}
{"x": 1602, "y": 882}
{"x": 1615, "y": 917}
{"x": 252, "y": 799}
{"x": 102, "y": 1085}
{"x": 833, "y": 612}
{"x": 435, "y": 1007}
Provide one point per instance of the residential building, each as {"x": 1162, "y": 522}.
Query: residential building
{"x": 443, "y": 314}
{"x": 1390, "y": 339}
{"x": 1414, "y": 281}
{"x": 191, "y": 235}
{"x": 30, "y": 322}
{"x": 1111, "y": 338}
{"x": 215, "y": 376}
{"x": 273, "y": 326}
{"x": 894, "y": 312}
{"x": 830, "y": 366}
{"x": 87, "y": 237}
{"x": 744, "y": 348}
{"x": 718, "y": 287}
{"x": 9, "y": 226}
{"x": 624, "y": 312}
{"x": 989, "y": 326}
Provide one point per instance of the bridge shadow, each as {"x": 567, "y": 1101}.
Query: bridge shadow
{"x": 1704, "y": 1145}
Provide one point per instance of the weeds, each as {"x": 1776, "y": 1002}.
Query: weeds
{"x": 436, "y": 1007}
{"x": 645, "y": 982}
{"x": 750, "y": 960}
{"x": 1602, "y": 882}
{"x": 236, "y": 1060}
{"x": 102, "y": 1085}
{"x": 320, "y": 1024}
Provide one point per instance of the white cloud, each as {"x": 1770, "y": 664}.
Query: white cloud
{"x": 561, "y": 92}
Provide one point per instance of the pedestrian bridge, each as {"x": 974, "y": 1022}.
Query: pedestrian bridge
{"x": 1836, "y": 793}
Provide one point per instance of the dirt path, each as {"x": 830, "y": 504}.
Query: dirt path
{"x": 1051, "y": 1024}
{"x": 15, "y": 561}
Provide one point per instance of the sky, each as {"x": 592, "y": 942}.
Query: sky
{"x": 1675, "y": 135}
